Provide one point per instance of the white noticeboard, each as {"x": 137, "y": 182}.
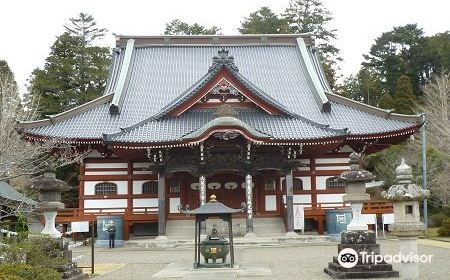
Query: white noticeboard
{"x": 388, "y": 219}
{"x": 299, "y": 217}
{"x": 369, "y": 219}
{"x": 79, "y": 226}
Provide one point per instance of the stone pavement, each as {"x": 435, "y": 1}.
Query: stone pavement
{"x": 285, "y": 261}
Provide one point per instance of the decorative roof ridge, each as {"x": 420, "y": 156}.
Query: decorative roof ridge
{"x": 388, "y": 114}
{"x": 253, "y": 39}
{"x": 124, "y": 76}
{"x": 320, "y": 95}
{"x": 318, "y": 66}
{"x": 223, "y": 59}
{"x": 53, "y": 119}
{"x": 225, "y": 121}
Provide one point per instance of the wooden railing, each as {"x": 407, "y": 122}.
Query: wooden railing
{"x": 89, "y": 214}
{"x": 317, "y": 211}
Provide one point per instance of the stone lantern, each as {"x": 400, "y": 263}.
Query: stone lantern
{"x": 355, "y": 191}
{"x": 50, "y": 190}
{"x": 407, "y": 226}
{"x": 357, "y": 241}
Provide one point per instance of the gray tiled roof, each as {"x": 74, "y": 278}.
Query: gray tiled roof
{"x": 173, "y": 129}
{"x": 8, "y": 192}
{"x": 160, "y": 74}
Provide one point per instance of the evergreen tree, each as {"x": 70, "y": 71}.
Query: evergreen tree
{"x": 85, "y": 28}
{"x": 364, "y": 87}
{"x": 404, "y": 96}
{"x": 393, "y": 55}
{"x": 75, "y": 71}
{"x": 305, "y": 16}
{"x": 6, "y": 75}
{"x": 263, "y": 21}
{"x": 302, "y": 16}
{"x": 386, "y": 102}
{"x": 178, "y": 27}
{"x": 310, "y": 16}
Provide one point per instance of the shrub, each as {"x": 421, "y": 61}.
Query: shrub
{"x": 445, "y": 229}
{"x": 39, "y": 250}
{"x": 436, "y": 220}
{"x": 446, "y": 211}
{"x": 27, "y": 272}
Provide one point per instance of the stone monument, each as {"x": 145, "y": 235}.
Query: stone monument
{"x": 357, "y": 241}
{"x": 407, "y": 226}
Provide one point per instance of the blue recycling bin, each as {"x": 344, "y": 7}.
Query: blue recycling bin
{"x": 102, "y": 240}
{"x": 337, "y": 220}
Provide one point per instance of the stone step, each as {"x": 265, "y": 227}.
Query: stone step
{"x": 182, "y": 229}
{"x": 336, "y": 274}
{"x": 361, "y": 267}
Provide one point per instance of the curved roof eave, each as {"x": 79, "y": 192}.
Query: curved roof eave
{"x": 388, "y": 114}
{"x": 22, "y": 125}
{"x": 225, "y": 121}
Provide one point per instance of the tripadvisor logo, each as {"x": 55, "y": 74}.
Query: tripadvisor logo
{"x": 348, "y": 258}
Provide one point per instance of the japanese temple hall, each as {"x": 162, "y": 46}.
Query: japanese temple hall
{"x": 248, "y": 118}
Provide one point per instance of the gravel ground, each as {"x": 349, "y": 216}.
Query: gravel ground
{"x": 286, "y": 262}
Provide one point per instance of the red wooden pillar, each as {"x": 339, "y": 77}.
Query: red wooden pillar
{"x": 126, "y": 233}
{"x": 81, "y": 189}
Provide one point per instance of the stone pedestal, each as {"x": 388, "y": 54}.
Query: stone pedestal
{"x": 69, "y": 271}
{"x": 49, "y": 210}
{"x": 363, "y": 243}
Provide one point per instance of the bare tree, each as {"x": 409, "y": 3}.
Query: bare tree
{"x": 19, "y": 157}
{"x": 437, "y": 109}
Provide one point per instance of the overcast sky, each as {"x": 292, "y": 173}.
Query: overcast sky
{"x": 29, "y": 28}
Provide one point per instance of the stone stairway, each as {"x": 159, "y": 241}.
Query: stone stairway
{"x": 263, "y": 227}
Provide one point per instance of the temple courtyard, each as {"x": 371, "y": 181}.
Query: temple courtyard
{"x": 300, "y": 260}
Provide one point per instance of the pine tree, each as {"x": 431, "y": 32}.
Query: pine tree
{"x": 386, "y": 102}
{"x": 263, "y": 21}
{"x": 178, "y": 27}
{"x": 305, "y": 16}
{"x": 404, "y": 96}
{"x": 85, "y": 28}
{"x": 75, "y": 71}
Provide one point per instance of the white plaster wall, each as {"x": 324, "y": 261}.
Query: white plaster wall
{"x": 335, "y": 197}
{"x": 106, "y": 173}
{"x": 105, "y": 203}
{"x": 321, "y": 182}
{"x": 141, "y": 164}
{"x": 299, "y": 198}
{"x": 89, "y": 187}
{"x": 145, "y": 202}
{"x": 106, "y": 165}
{"x": 173, "y": 204}
{"x": 304, "y": 168}
{"x": 270, "y": 202}
{"x": 306, "y": 181}
{"x": 302, "y": 198}
{"x": 346, "y": 167}
{"x": 137, "y": 186}
{"x": 138, "y": 172}
{"x": 331, "y": 160}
